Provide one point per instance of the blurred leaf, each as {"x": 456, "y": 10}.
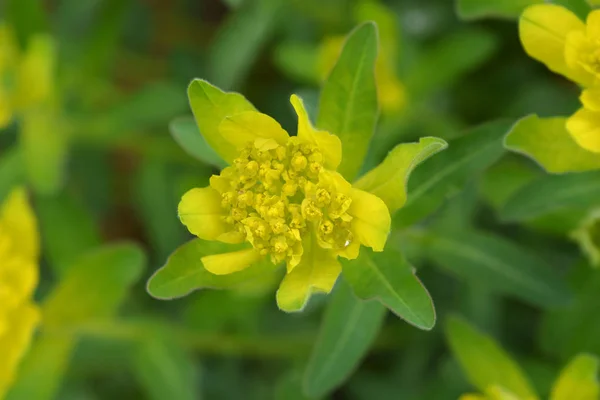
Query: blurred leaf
{"x": 44, "y": 144}
{"x": 11, "y": 171}
{"x": 186, "y": 133}
{"x": 475, "y": 9}
{"x": 388, "y": 180}
{"x": 234, "y": 3}
{"x": 184, "y": 272}
{"x": 444, "y": 175}
{"x": 459, "y": 53}
{"x": 348, "y": 105}
{"x": 94, "y": 286}
{"x": 581, "y": 8}
{"x": 388, "y": 278}
{"x": 299, "y": 61}
{"x": 26, "y": 17}
{"x": 484, "y": 362}
{"x": 289, "y": 387}
{"x": 552, "y": 193}
{"x": 240, "y": 40}
{"x": 547, "y": 141}
{"x": 347, "y": 331}
{"x": 164, "y": 369}
{"x": 502, "y": 180}
{"x": 67, "y": 228}
{"x": 210, "y": 105}
{"x": 578, "y": 381}
{"x": 489, "y": 260}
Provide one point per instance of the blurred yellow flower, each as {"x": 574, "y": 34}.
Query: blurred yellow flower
{"x": 555, "y": 36}
{"x": 19, "y": 248}
{"x": 25, "y": 78}
{"x": 283, "y": 196}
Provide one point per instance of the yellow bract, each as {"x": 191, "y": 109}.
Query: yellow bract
{"x": 25, "y": 77}
{"x": 19, "y": 252}
{"x": 555, "y": 36}
{"x": 282, "y": 196}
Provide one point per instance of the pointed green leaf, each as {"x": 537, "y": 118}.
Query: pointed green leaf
{"x": 348, "y": 329}
{"x": 475, "y": 9}
{"x": 185, "y": 132}
{"x": 389, "y": 179}
{"x": 552, "y": 193}
{"x": 348, "y": 106}
{"x": 484, "y": 362}
{"x": 441, "y": 176}
{"x": 484, "y": 259}
{"x": 210, "y": 105}
{"x": 184, "y": 272}
{"x": 579, "y": 380}
{"x": 547, "y": 141}
{"x": 390, "y": 279}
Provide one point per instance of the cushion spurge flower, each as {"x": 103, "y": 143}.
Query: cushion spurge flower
{"x": 282, "y": 197}
{"x": 568, "y": 46}
{"x": 18, "y": 279}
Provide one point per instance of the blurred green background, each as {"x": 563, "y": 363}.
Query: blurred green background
{"x": 106, "y": 173}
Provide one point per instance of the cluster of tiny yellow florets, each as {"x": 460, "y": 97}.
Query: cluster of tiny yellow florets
{"x": 275, "y": 196}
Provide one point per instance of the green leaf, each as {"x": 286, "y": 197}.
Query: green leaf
{"x": 298, "y": 61}
{"x": 239, "y": 41}
{"x": 484, "y": 362}
{"x": 185, "y": 132}
{"x": 164, "y": 369}
{"x": 475, "y": 9}
{"x": 579, "y": 380}
{"x": 348, "y": 106}
{"x": 446, "y": 174}
{"x": 210, "y": 105}
{"x": 12, "y": 171}
{"x": 389, "y": 179}
{"x": 26, "y": 17}
{"x": 348, "y": 329}
{"x": 552, "y": 193}
{"x": 390, "y": 279}
{"x": 94, "y": 286}
{"x": 184, "y": 272}
{"x": 547, "y": 141}
{"x": 67, "y": 229}
{"x": 289, "y": 387}
{"x": 491, "y": 261}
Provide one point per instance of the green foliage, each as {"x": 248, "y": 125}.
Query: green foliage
{"x": 348, "y": 104}
{"x": 474, "y": 9}
{"x": 579, "y": 380}
{"x": 185, "y": 132}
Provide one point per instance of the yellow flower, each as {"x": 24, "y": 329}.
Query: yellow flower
{"x": 25, "y": 78}
{"x": 568, "y": 46}
{"x": 283, "y": 197}
{"x": 19, "y": 250}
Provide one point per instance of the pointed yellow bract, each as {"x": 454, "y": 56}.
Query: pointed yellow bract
{"x": 19, "y": 252}
{"x": 283, "y": 197}
{"x": 568, "y": 46}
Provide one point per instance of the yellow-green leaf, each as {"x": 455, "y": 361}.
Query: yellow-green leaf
{"x": 578, "y": 380}
{"x": 475, "y": 9}
{"x": 389, "y": 179}
{"x": 210, "y": 105}
{"x": 484, "y": 362}
{"x": 348, "y": 106}
{"x": 547, "y": 141}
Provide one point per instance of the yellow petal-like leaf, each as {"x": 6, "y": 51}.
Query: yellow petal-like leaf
{"x": 578, "y": 381}
{"x": 201, "y": 212}
{"x": 228, "y": 263}
{"x": 249, "y": 126}
{"x": 584, "y": 126}
{"x": 372, "y": 221}
{"x": 18, "y": 220}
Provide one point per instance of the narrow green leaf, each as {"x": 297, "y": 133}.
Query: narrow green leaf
{"x": 289, "y": 387}
{"x": 164, "y": 369}
{"x": 239, "y": 41}
{"x": 445, "y": 174}
{"x": 186, "y": 133}
{"x": 390, "y": 279}
{"x": 485, "y": 259}
{"x": 552, "y": 193}
{"x": 348, "y": 329}
{"x": 484, "y": 362}
{"x": 184, "y": 272}
{"x": 579, "y": 380}
{"x": 475, "y": 9}
{"x": 210, "y": 105}
{"x": 12, "y": 171}
{"x": 348, "y": 106}
{"x": 389, "y": 179}
{"x": 547, "y": 142}
{"x": 94, "y": 286}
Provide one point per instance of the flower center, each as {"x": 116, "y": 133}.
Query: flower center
{"x": 276, "y": 194}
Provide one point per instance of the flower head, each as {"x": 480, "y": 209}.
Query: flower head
{"x": 282, "y": 197}
{"x": 18, "y": 279}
